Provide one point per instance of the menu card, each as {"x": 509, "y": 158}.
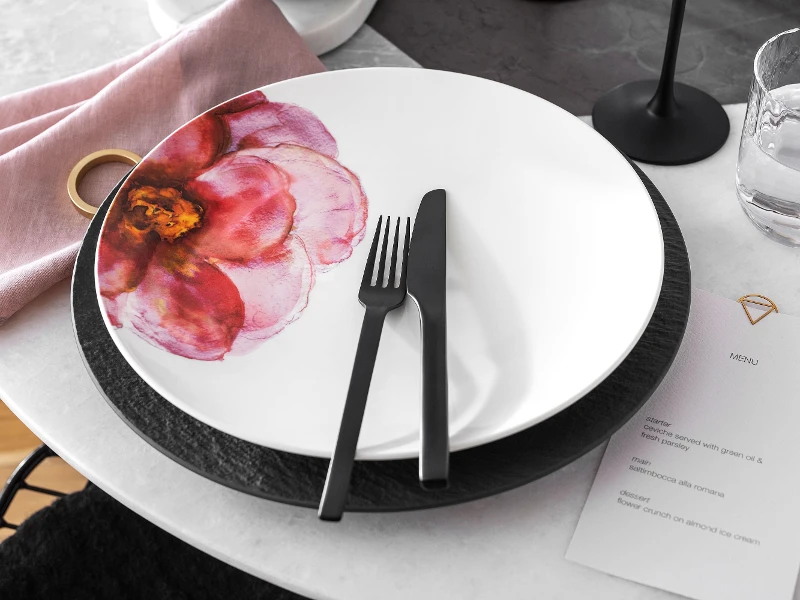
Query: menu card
{"x": 699, "y": 493}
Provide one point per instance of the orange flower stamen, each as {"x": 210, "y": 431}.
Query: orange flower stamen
{"x": 163, "y": 210}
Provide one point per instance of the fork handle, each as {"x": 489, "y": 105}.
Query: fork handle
{"x": 337, "y": 482}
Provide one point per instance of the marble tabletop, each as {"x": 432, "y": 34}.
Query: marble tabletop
{"x": 512, "y": 544}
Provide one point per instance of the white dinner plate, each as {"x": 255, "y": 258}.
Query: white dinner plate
{"x": 224, "y": 271}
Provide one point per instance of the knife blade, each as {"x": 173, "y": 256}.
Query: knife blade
{"x": 427, "y": 271}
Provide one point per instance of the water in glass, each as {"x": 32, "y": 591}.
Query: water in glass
{"x": 768, "y": 172}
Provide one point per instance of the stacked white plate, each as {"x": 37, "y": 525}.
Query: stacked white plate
{"x": 555, "y": 263}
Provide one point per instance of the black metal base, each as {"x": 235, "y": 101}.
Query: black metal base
{"x": 694, "y": 128}
{"x": 18, "y": 482}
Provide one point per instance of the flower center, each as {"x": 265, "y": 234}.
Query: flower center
{"x": 163, "y": 210}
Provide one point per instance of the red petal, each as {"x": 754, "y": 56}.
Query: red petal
{"x": 122, "y": 258}
{"x": 276, "y": 123}
{"x": 331, "y": 206}
{"x": 240, "y": 103}
{"x": 248, "y": 209}
{"x": 192, "y": 148}
{"x": 274, "y": 290}
{"x": 186, "y": 306}
{"x": 115, "y": 308}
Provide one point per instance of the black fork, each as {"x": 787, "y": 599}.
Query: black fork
{"x": 378, "y": 301}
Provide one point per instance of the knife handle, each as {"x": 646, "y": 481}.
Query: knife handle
{"x": 434, "y": 457}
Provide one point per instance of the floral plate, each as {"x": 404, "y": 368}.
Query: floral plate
{"x": 229, "y": 262}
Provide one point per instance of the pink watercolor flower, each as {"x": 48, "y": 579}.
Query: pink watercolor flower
{"x": 211, "y": 246}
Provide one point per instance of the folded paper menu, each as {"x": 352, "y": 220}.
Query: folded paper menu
{"x": 698, "y": 493}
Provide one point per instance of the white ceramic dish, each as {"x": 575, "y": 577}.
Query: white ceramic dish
{"x": 323, "y": 24}
{"x": 555, "y": 263}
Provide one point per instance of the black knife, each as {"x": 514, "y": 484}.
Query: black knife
{"x": 427, "y": 272}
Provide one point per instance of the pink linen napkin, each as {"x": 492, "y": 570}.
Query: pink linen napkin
{"x": 132, "y": 104}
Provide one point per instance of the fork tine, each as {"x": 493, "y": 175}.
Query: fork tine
{"x": 382, "y": 263}
{"x": 393, "y": 267}
{"x": 370, "y": 268}
{"x": 406, "y": 244}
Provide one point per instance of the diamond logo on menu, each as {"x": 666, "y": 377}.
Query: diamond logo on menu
{"x": 756, "y": 303}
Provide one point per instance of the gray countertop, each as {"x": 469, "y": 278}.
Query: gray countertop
{"x": 571, "y": 53}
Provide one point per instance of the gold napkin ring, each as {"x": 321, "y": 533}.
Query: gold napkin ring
{"x": 86, "y": 164}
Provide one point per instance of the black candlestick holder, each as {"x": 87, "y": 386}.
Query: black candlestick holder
{"x": 663, "y": 122}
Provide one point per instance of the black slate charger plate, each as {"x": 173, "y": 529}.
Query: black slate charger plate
{"x": 389, "y": 485}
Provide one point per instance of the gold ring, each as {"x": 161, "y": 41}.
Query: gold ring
{"x": 86, "y": 164}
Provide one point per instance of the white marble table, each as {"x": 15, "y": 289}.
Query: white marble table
{"x": 510, "y": 546}
{"x": 514, "y": 542}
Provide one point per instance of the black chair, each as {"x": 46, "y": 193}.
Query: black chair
{"x": 89, "y": 545}
{"x": 18, "y": 482}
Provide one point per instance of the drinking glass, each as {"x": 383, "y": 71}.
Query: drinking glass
{"x": 768, "y": 172}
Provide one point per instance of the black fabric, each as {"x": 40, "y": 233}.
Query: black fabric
{"x": 88, "y": 546}
{"x": 390, "y": 485}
